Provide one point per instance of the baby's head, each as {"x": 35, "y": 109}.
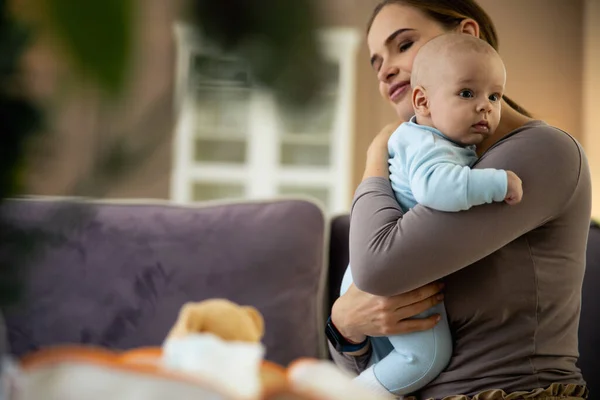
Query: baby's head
{"x": 457, "y": 82}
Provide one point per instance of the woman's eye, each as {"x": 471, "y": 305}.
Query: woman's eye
{"x": 467, "y": 94}
{"x": 495, "y": 97}
{"x": 405, "y": 46}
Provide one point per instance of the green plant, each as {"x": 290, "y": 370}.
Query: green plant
{"x": 19, "y": 121}
{"x": 275, "y": 37}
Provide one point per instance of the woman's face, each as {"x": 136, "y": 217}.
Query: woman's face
{"x": 396, "y": 35}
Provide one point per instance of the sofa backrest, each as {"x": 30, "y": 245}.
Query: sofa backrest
{"x": 116, "y": 274}
{"x": 338, "y": 257}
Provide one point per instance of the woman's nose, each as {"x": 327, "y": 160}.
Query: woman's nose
{"x": 387, "y": 73}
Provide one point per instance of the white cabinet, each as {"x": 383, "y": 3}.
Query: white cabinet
{"x": 233, "y": 139}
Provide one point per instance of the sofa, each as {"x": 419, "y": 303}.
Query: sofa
{"x": 114, "y": 274}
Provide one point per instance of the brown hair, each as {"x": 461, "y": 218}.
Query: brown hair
{"x": 450, "y": 13}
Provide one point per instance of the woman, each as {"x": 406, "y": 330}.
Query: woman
{"x": 512, "y": 275}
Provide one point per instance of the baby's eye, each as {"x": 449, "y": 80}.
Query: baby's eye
{"x": 467, "y": 94}
{"x": 495, "y": 97}
{"x": 404, "y": 46}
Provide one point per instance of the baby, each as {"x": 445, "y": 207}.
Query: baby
{"x": 457, "y": 84}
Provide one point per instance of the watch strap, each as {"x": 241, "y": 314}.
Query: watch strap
{"x": 339, "y": 342}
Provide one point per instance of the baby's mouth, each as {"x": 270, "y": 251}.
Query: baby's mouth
{"x": 482, "y": 127}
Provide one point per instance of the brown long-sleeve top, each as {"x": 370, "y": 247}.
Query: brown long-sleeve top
{"x": 513, "y": 274}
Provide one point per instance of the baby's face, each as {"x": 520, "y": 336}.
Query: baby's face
{"x": 465, "y": 103}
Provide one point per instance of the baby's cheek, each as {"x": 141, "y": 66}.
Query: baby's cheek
{"x": 496, "y": 117}
{"x": 455, "y": 120}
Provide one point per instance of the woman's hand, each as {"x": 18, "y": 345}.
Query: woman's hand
{"x": 358, "y": 314}
{"x": 377, "y": 153}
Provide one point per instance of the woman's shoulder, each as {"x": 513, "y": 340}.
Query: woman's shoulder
{"x": 537, "y": 140}
{"x": 546, "y": 158}
{"x": 541, "y": 135}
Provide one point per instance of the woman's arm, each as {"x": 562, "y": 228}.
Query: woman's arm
{"x": 392, "y": 253}
{"x": 377, "y": 153}
{"x": 351, "y": 362}
{"x": 357, "y": 314}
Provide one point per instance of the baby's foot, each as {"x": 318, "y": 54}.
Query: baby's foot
{"x": 368, "y": 380}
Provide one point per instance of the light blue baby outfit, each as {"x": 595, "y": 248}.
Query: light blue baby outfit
{"x": 428, "y": 168}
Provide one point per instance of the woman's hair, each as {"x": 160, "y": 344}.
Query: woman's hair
{"x": 450, "y": 13}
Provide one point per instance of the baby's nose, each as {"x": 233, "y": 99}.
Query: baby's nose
{"x": 484, "y": 106}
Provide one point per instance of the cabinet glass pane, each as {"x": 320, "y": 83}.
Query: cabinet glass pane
{"x": 304, "y": 155}
{"x": 202, "y": 191}
{"x": 318, "y": 117}
{"x": 321, "y": 194}
{"x": 207, "y": 69}
{"x": 331, "y": 73}
{"x": 224, "y": 110}
{"x": 221, "y": 151}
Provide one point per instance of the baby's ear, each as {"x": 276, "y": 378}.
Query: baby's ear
{"x": 257, "y": 317}
{"x": 420, "y": 101}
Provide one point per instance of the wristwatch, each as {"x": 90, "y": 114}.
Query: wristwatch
{"x": 339, "y": 342}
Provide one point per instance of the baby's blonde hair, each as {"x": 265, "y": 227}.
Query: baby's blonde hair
{"x": 439, "y": 51}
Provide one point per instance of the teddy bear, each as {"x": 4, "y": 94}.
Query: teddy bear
{"x": 221, "y": 317}
{"x": 304, "y": 379}
{"x": 231, "y": 323}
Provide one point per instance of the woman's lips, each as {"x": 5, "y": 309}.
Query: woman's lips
{"x": 397, "y": 90}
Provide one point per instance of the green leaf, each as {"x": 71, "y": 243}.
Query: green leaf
{"x": 97, "y": 34}
{"x": 277, "y": 38}
{"x": 19, "y": 121}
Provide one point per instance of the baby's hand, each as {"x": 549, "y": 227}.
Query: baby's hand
{"x": 514, "y": 193}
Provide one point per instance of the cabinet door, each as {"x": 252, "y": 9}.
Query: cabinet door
{"x": 314, "y": 144}
{"x": 305, "y": 142}
{"x": 234, "y": 140}
{"x": 216, "y": 125}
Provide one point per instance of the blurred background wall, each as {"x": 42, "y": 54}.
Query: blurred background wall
{"x": 590, "y": 112}
{"x": 550, "y": 48}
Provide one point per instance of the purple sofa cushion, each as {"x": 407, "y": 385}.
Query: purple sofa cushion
{"x": 116, "y": 275}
